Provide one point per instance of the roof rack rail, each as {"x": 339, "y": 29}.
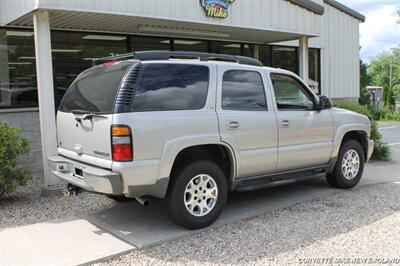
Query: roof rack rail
{"x": 167, "y": 55}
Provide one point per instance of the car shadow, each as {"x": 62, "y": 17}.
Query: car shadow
{"x": 149, "y": 226}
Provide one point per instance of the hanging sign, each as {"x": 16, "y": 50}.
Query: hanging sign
{"x": 216, "y": 8}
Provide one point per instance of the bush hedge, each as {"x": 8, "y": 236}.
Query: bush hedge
{"x": 12, "y": 145}
{"x": 387, "y": 114}
{"x": 381, "y": 150}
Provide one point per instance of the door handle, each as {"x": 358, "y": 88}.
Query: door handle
{"x": 232, "y": 125}
{"x": 284, "y": 123}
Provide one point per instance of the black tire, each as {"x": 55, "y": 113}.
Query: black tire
{"x": 337, "y": 178}
{"x": 175, "y": 198}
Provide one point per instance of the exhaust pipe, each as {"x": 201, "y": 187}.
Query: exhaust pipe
{"x": 143, "y": 201}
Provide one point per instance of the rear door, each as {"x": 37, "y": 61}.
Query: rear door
{"x": 85, "y": 115}
{"x": 246, "y": 122}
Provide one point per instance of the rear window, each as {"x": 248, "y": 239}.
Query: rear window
{"x": 95, "y": 89}
{"x": 171, "y": 87}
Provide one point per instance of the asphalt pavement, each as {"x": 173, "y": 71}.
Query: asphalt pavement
{"x": 391, "y": 135}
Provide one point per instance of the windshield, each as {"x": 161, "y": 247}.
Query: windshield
{"x": 95, "y": 89}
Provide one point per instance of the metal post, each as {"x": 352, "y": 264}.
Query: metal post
{"x": 303, "y": 58}
{"x": 44, "y": 74}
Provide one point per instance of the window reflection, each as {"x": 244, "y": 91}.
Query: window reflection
{"x": 190, "y": 45}
{"x": 17, "y": 69}
{"x": 315, "y": 70}
{"x": 226, "y": 48}
{"x": 142, "y": 43}
{"x": 73, "y": 53}
{"x": 285, "y": 57}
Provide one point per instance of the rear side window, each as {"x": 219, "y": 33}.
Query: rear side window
{"x": 95, "y": 89}
{"x": 171, "y": 87}
{"x": 243, "y": 90}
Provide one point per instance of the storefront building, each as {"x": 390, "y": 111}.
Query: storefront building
{"x": 45, "y": 44}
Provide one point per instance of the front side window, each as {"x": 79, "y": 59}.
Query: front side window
{"x": 168, "y": 86}
{"x": 290, "y": 93}
{"x": 243, "y": 90}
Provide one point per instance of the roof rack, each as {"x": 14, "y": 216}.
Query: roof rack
{"x": 167, "y": 55}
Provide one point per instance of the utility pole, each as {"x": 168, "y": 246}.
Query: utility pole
{"x": 391, "y": 73}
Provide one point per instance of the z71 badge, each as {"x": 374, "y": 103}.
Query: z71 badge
{"x": 216, "y": 8}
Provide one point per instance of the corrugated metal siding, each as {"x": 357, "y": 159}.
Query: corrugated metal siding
{"x": 340, "y": 54}
{"x": 339, "y": 43}
{"x": 273, "y": 15}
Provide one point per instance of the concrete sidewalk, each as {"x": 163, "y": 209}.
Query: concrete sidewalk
{"x": 79, "y": 240}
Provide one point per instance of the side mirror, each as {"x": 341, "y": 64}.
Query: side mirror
{"x": 324, "y": 102}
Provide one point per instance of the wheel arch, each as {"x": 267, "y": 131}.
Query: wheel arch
{"x": 218, "y": 152}
{"x": 358, "y": 135}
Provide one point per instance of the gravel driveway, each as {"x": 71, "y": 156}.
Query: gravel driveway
{"x": 26, "y": 206}
{"x": 363, "y": 223}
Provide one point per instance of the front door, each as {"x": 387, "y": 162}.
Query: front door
{"x": 246, "y": 122}
{"x": 305, "y": 134}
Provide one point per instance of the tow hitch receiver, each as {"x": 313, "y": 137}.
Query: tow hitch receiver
{"x": 71, "y": 189}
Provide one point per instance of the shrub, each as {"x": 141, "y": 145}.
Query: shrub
{"x": 361, "y": 109}
{"x": 381, "y": 150}
{"x": 388, "y": 114}
{"x": 375, "y": 112}
{"x": 12, "y": 145}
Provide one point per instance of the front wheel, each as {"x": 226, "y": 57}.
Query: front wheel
{"x": 349, "y": 166}
{"x": 197, "y": 195}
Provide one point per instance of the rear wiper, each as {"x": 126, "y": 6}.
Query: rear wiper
{"x": 87, "y": 116}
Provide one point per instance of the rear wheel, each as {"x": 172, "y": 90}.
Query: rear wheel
{"x": 197, "y": 194}
{"x": 349, "y": 166}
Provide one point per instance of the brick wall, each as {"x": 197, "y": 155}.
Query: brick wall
{"x": 28, "y": 123}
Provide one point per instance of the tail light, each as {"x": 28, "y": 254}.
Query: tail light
{"x": 121, "y": 142}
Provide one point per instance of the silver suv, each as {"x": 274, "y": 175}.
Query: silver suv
{"x": 190, "y": 127}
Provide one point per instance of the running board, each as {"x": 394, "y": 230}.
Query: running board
{"x": 262, "y": 182}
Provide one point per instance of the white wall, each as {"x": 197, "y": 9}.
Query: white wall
{"x": 340, "y": 54}
{"x": 339, "y": 43}
{"x": 12, "y": 9}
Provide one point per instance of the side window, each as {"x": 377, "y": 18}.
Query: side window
{"x": 290, "y": 93}
{"x": 165, "y": 87}
{"x": 243, "y": 90}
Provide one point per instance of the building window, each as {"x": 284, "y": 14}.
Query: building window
{"x": 190, "y": 45}
{"x": 226, "y": 48}
{"x": 265, "y": 55}
{"x": 314, "y": 65}
{"x": 143, "y": 43}
{"x": 248, "y": 50}
{"x": 73, "y": 53}
{"x": 285, "y": 57}
{"x": 17, "y": 69}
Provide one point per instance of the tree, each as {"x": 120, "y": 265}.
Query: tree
{"x": 365, "y": 97}
{"x": 384, "y": 71}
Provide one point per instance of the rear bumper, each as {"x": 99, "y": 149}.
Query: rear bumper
{"x": 94, "y": 179}
{"x": 370, "y": 149}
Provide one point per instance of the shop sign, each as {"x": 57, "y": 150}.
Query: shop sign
{"x": 216, "y": 8}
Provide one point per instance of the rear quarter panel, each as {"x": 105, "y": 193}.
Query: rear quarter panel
{"x": 158, "y": 136}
